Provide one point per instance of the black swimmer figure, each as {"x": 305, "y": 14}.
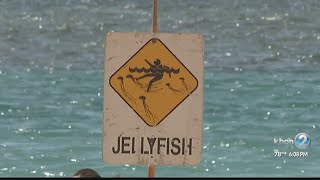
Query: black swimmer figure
{"x": 156, "y": 71}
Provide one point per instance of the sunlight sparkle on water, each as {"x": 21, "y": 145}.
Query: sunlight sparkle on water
{"x": 47, "y": 174}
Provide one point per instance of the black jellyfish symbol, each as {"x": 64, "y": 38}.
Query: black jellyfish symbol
{"x": 120, "y": 78}
{"x": 184, "y": 83}
{"x": 146, "y": 109}
{"x": 171, "y": 88}
{"x": 134, "y": 80}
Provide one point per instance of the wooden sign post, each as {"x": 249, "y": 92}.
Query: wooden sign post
{"x": 153, "y": 98}
{"x": 151, "y": 167}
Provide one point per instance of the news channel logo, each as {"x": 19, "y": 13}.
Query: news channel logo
{"x": 301, "y": 141}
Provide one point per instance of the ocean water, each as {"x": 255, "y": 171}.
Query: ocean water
{"x": 262, "y": 81}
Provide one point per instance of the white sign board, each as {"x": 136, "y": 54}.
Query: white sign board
{"x": 153, "y": 98}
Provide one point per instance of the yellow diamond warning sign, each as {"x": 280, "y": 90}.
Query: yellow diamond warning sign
{"x": 153, "y": 82}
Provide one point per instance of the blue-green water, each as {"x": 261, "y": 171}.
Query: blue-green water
{"x": 262, "y": 81}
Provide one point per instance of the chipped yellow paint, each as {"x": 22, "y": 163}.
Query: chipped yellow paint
{"x": 153, "y": 82}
